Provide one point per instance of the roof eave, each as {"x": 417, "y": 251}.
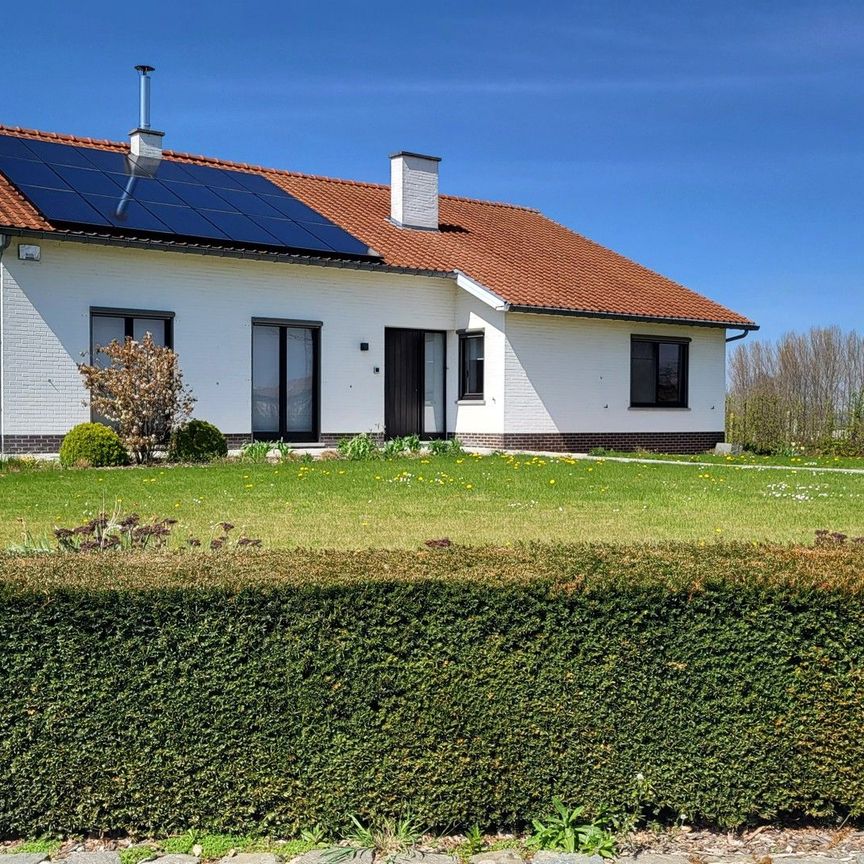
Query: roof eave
{"x": 625, "y": 316}
{"x": 219, "y": 251}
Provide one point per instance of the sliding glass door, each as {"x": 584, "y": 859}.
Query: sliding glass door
{"x": 285, "y": 381}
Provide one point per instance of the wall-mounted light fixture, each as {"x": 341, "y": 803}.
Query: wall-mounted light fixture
{"x": 364, "y": 346}
{"x": 28, "y": 252}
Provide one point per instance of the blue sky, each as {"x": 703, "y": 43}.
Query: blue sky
{"x": 719, "y": 143}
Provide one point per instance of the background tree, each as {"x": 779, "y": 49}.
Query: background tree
{"x": 139, "y": 389}
{"x": 804, "y": 392}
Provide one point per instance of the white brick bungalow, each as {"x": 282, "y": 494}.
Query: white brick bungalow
{"x": 456, "y": 317}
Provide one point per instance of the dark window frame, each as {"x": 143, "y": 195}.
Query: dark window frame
{"x": 283, "y": 434}
{"x": 466, "y": 395}
{"x": 683, "y": 344}
{"x": 129, "y": 316}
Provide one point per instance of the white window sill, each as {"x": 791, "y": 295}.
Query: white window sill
{"x": 470, "y": 401}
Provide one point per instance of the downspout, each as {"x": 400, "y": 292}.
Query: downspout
{"x": 740, "y": 335}
{"x": 5, "y": 240}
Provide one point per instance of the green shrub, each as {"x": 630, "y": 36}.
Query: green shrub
{"x": 262, "y": 694}
{"x": 92, "y": 445}
{"x": 445, "y": 447}
{"x": 197, "y": 441}
{"x": 359, "y": 448}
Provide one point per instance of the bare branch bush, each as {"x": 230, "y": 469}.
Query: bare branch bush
{"x": 802, "y": 393}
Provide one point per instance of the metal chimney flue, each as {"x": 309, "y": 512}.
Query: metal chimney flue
{"x": 144, "y": 95}
{"x": 145, "y": 143}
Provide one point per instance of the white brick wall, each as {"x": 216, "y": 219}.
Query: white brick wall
{"x": 214, "y": 299}
{"x": 573, "y": 375}
{"x": 542, "y": 373}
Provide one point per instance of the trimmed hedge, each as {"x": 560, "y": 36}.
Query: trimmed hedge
{"x": 92, "y": 445}
{"x": 271, "y": 691}
{"x": 196, "y": 441}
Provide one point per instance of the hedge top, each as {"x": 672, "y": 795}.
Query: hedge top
{"x": 577, "y": 567}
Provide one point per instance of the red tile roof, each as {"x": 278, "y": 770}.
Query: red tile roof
{"x": 517, "y": 253}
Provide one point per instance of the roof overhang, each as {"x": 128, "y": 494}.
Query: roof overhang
{"x": 481, "y": 292}
{"x": 623, "y": 316}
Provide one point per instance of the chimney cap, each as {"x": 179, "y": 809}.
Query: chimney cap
{"x": 143, "y": 67}
{"x": 415, "y": 155}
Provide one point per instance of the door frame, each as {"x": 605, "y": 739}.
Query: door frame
{"x": 314, "y": 434}
{"x": 426, "y": 436}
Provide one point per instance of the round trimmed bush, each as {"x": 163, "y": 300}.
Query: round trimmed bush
{"x": 197, "y": 441}
{"x": 92, "y": 445}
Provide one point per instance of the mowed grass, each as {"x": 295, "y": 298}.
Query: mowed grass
{"x": 470, "y": 499}
{"x": 750, "y": 459}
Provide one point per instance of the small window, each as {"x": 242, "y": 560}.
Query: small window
{"x": 108, "y": 325}
{"x": 658, "y": 372}
{"x": 470, "y": 365}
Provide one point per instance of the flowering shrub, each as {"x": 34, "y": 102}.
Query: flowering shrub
{"x": 141, "y": 390}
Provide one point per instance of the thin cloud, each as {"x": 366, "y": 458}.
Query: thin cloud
{"x": 391, "y": 86}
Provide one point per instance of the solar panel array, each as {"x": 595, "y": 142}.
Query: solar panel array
{"x": 85, "y": 186}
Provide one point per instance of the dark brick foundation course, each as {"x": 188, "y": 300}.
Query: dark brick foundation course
{"x": 582, "y": 442}
{"x": 561, "y": 442}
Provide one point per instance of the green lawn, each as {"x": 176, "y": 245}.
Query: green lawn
{"x": 470, "y": 499}
{"x": 752, "y": 459}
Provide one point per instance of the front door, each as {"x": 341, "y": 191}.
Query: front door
{"x": 413, "y": 383}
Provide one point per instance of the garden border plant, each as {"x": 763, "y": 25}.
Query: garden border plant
{"x": 241, "y": 693}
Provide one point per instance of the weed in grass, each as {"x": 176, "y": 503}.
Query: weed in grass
{"x": 180, "y": 844}
{"x": 385, "y": 839}
{"x": 359, "y": 448}
{"x": 285, "y": 451}
{"x": 315, "y": 835}
{"x": 289, "y": 849}
{"x": 474, "y": 842}
{"x": 39, "y": 846}
{"x": 137, "y": 854}
{"x": 209, "y": 846}
{"x": 445, "y": 447}
{"x": 570, "y": 830}
{"x": 256, "y": 452}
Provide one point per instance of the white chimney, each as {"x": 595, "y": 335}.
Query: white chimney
{"x": 145, "y": 144}
{"x": 414, "y": 190}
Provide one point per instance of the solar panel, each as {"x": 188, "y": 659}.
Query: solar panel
{"x": 85, "y": 186}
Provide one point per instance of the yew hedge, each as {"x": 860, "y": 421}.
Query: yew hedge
{"x": 273, "y": 691}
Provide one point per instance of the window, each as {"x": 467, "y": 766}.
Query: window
{"x": 658, "y": 372}
{"x": 106, "y": 325}
{"x": 285, "y": 380}
{"x": 470, "y": 365}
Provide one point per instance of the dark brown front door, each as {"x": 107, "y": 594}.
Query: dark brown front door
{"x": 403, "y": 382}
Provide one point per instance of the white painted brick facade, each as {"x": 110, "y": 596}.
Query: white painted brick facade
{"x": 573, "y": 375}
{"x": 47, "y": 330}
{"x": 542, "y": 373}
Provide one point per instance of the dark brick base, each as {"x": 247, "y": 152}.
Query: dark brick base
{"x": 23, "y": 445}
{"x": 582, "y": 442}
{"x": 562, "y": 442}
